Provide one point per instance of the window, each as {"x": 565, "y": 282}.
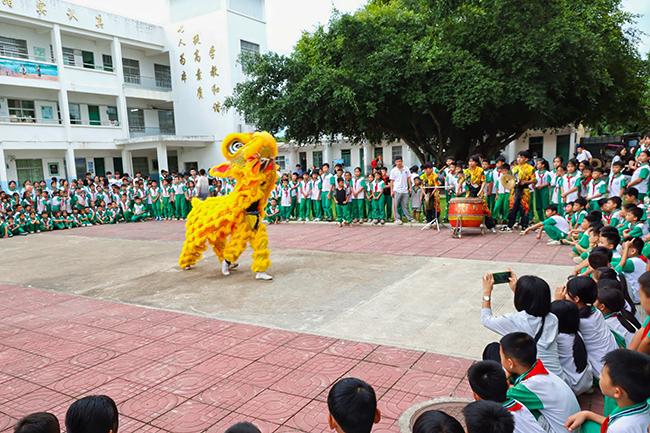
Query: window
{"x": 282, "y": 162}
{"x": 75, "y": 114}
{"x": 29, "y": 169}
{"x": 379, "y": 151}
{"x": 11, "y": 47}
{"x": 536, "y": 146}
{"x": 80, "y": 167}
{"x": 163, "y": 76}
{"x": 21, "y": 111}
{"x": 136, "y": 120}
{"x": 346, "y": 156}
{"x": 93, "y": 115}
{"x": 117, "y": 164}
{"x": 396, "y": 152}
{"x": 68, "y": 57}
{"x": 111, "y": 113}
{"x": 318, "y": 158}
{"x": 166, "y": 122}
{"x": 249, "y": 47}
{"x": 88, "y": 58}
{"x": 562, "y": 147}
{"x": 131, "y": 70}
{"x": 140, "y": 164}
{"x": 107, "y": 61}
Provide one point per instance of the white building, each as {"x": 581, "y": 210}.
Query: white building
{"x": 546, "y": 144}
{"x": 83, "y": 90}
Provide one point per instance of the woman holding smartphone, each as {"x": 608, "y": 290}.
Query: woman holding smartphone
{"x": 533, "y": 316}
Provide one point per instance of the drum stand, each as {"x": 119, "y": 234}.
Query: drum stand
{"x": 431, "y": 224}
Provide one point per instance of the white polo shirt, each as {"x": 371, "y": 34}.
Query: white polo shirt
{"x": 400, "y": 179}
{"x": 584, "y": 156}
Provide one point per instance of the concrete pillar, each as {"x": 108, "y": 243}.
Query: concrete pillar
{"x": 71, "y": 167}
{"x": 64, "y": 108}
{"x": 161, "y": 155}
{"x": 367, "y": 158}
{"x": 511, "y": 151}
{"x": 572, "y": 143}
{"x": 122, "y": 110}
{"x": 327, "y": 153}
{"x": 127, "y": 162}
{"x": 4, "y": 178}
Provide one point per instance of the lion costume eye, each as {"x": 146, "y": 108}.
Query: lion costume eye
{"x": 235, "y": 146}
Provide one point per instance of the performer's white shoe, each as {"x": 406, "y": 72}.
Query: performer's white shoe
{"x": 225, "y": 268}
{"x": 263, "y": 276}
{"x": 233, "y": 266}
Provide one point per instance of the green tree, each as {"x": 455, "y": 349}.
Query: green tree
{"x": 450, "y": 76}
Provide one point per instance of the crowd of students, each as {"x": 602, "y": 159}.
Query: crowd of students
{"x": 112, "y": 199}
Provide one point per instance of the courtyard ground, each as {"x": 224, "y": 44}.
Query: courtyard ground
{"x": 106, "y": 310}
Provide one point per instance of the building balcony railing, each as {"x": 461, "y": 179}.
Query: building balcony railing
{"x": 27, "y": 68}
{"x": 150, "y": 83}
{"x": 28, "y": 120}
{"x": 77, "y": 122}
{"x": 91, "y": 66}
{"x": 22, "y": 56}
{"x": 141, "y": 131}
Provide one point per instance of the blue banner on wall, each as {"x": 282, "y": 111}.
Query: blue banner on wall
{"x": 28, "y": 69}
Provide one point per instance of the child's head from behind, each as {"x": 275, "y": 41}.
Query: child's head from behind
{"x": 599, "y": 257}
{"x": 609, "y": 300}
{"x": 583, "y": 291}
{"x": 94, "y": 413}
{"x": 518, "y": 352}
{"x": 352, "y": 405}
{"x": 243, "y": 427}
{"x": 39, "y": 422}
{"x": 626, "y": 375}
{"x": 532, "y": 295}
{"x": 488, "y": 381}
{"x": 488, "y": 416}
{"x": 436, "y": 421}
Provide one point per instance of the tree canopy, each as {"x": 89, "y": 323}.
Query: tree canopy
{"x": 451, "y": 76}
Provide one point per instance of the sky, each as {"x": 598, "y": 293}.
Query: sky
{"x": 287, "y": 19}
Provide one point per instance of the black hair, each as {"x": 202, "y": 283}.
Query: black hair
{"x": 325, "y": 165}
{"x": 520, "y": 346}
{"x": 533, "y": 295}
{"x": 39, "y": 422}
{"x": 636, "y": 211}
{"x": 352, "y": 403}
{"x": 475, "y": 158}
{"x": 94, "y": 413}
{"x": 586, "y": 290}
{"x": 594, "y": 216}
{"x": 614, "y": 301}
{"x": 427, "y": 165}
{"x": 501, "y": 158}
{"x": 616, "y": 200}
{"x": 568, "y": 317}
{"x": 581, "y": 201}
{"x": 524, "y": 154}
{"x": 618, "y": 163}
{"x": 488, "y": 417}
{"x": 243, "y": 427}
{"x": 436, "y": 421}
{"x": 602, "y": 201}
{"x": 552, "y": 207}
{"x": 599, "y": 257}
{"x": 631, "y": 191}
{"x": 587, "y": 167}
{"x": 560, "y": 158}
{"x": 631, "y": 371}
{"x": 599, "y": 170}
{"x": 612, "y": 236}
{"x": 488, "y": 380}
{"x": 562, "y": 166}
{"x": 646, "y": 152}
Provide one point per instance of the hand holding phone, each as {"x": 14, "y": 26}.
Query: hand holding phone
{"x": 501, "y": 277}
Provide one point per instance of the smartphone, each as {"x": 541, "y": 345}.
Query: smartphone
{"x": 501, "y": 277}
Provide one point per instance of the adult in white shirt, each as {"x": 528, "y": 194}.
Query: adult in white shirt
{"x": 202, "y": 185}
{"x": 583, "y": 154}
{"x": 400, "y": 186}
{"x": 533, "y": 316}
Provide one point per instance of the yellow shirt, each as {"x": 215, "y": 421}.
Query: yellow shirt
{"x": 475, "y": 175}
{"x": 431, "y": 180}
{"x": 524, "y": 172}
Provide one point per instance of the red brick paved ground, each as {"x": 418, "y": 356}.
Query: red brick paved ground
{"x": 175, "y": 372}
{"x": 403, "y": 240}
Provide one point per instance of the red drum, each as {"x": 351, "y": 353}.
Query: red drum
{"x": 466, "y": 212}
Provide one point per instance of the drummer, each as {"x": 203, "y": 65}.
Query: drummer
{"x": 475, "y": 184}
{"x": 430, "y": 193}
{"x": 520, "y": 197}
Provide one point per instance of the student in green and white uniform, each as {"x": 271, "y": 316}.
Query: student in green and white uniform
{"x": 58, "y": 223}
{"x": 180, "y": 209}
{"x": 541, "y": 189}
{"x": 294, "y": 185}
{"x": 272, "y": 212}
{"x": 4, "y": 228}
{"x": 139, "y": 211}
{"x": 285, "y": 200}
{"x": 617, "y": 181}
{"x": 304, "y": 198}
{"x": 358, "y": 196}
{"x": 155, "y": 201}
{"x": 316, "y": 186}
{"x": 597, "y": 188}
{"x": 327, "y": 184}
{"x": 555, "y": 226}
{"x": 378, "y": 208}
{"x": 191, "y": 192}
{"x": 166, "y": 206}
{"x": 641, "y": 175}
{"x": 369, "y": 180}
{"x": 579, "y": 212}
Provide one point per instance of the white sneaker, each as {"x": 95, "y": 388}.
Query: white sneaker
{"x": 553, "y": 243}
{"x": 263, "y": 276}
{"x": 233, "y": 266}
{"x": 225, "y": 268}
{"x": 398, "y": 222}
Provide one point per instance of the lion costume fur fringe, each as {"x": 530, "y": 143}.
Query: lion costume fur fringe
{"x": 225, "y": 222}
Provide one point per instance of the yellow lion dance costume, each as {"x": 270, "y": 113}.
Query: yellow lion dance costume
{"x": 230, "y": 222}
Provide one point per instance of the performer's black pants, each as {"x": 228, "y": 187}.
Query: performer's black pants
{"x": 517, "y": 208}
{"x": 430, "y": 215}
